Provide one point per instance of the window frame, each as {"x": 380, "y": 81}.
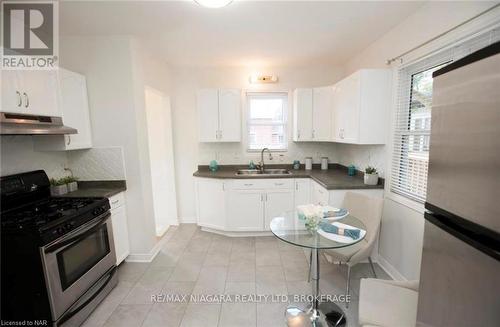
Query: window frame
{"x": 267, "y": 94}
{"x": 415, "y": 63}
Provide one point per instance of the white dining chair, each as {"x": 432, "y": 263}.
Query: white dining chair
{"x": 387, "y": 303}
{"x": 368, "y": 209}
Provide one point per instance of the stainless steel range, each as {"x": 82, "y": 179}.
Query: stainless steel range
{"x": 57, "y": 255}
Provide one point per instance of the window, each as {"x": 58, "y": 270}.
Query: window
{"x": 266, "y": 122}
{"x": 412, "y": 130}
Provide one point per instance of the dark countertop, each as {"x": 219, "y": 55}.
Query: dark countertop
{"x": 335, "y": 178}
{"x": 104, "y": 189}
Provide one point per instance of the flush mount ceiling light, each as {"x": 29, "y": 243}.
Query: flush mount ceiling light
{"x": 213, "y": 3}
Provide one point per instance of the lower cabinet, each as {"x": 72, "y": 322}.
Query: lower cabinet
{"x": 250, "y": 205}
{"x": 276, "y": 203}
{"x": 245, "y": 210}
{"x": 210, "y": 199}
{"x": 120, "y": 227}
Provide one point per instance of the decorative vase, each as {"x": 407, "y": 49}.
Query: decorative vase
{"x": 371, "y": 179}
{"x": 58, "y": 190}
{"x": 213, "y": 166}
{"x": 73, "y": 186}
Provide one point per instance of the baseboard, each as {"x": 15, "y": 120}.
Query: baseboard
{"x": 389, "y": 269}
{"x": 235, "y": 234}
{"x": 147, "y": 257}
{"x": 188, "y": 220}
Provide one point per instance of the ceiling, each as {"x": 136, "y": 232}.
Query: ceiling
{"x": 245, "y": 33}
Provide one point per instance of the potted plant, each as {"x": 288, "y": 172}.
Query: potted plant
{"x": 71, "y": 182}
{"x": 371, "y": 176}
{"x": 58, "y": 187}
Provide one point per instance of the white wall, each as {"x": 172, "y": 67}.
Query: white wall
{"x": 402, "y": 227}
{"x": 117, "y": 70}
{"x": 189, "y": 152}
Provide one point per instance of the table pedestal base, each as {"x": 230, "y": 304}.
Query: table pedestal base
{"x": 327, "y": 314}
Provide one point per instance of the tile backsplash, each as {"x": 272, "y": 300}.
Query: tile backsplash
{"x": 98, "y": 164}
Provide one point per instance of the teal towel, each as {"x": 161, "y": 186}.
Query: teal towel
{"x": 329, "y": 228}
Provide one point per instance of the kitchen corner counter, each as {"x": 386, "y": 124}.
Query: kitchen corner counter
{"x": 335, "y": 178}
{"x": 104, "y": 189}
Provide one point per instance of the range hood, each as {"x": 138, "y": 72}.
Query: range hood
{"x": 19, "y": 124}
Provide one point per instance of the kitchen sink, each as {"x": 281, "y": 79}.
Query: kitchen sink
{"x": 266, "y": 172}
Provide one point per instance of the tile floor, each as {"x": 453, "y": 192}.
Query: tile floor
{"x": 196, "y": 262}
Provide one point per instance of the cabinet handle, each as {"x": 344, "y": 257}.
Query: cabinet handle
{"x": 115, "y": 202}
{"x": 19, "y": 100}
{"x": 249, "y": 184}
{"x": 313, "y": 133}
{"x": 27, "y": 104}
{"x": 296, "y": 186}
{"x": 298, "y": 134}
{"x": 69, "y": 140}
{"x": 278, "y": 184}
{"x": 216, "y": 135}
{"x": 262, "y": 198}
{"x": 220, "y": 135}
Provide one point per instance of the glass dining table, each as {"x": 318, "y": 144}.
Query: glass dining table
{"x": 320, "y": 312}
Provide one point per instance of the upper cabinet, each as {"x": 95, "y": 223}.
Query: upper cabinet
{"x": 74, "y": 112}
{"x": 30, "y": 92}
{"x": 219, "y": 115}
{"x": 360, "y": 107}
{"x": 312, "y": 111}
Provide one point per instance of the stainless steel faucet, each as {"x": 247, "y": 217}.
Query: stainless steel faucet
{"x": 262, "y": 159}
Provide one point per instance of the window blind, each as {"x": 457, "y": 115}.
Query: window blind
{"x": 412, "y": 125}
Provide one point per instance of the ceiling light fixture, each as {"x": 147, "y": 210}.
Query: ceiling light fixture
{"x": 213, "y": 3}
{"x": 257, "y": 78}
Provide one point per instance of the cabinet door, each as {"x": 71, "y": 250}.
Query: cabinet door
{"x": 245, "y": 210}
{"x": 75, "y": 109}
{"x": 322, "y": 104}
{"x": 120, "y": 233}
{"x": 208, "y": 115}
{"x": 302, "y": 115}
{"x": 210, "y": 198}
{"x": 277, "y": 203}
{"x": 302, "y": 191}
{"x": 346, "y": 112}
{"x": 230, "y": 115}
{"x": 11, "y": 94}
{"x": 40, "y": 92}
{"x": 319, "y": 195}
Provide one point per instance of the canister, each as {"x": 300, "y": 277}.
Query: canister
{"x": 324, "y": 163}
{"x": 309, "y": 163}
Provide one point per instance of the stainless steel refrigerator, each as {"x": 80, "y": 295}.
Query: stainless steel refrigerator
{"x": 460, "y": 271}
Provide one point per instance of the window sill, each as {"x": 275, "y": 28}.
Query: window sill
{"x": 411, "y": 204}
{"x": 259, "y": 150}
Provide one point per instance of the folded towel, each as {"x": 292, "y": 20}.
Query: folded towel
{"x": 331, "y": 212}
{"x": 353, "y": 233}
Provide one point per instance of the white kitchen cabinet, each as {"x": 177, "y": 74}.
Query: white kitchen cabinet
{"x": 302, "y": 115}
{"x": 360, "y": 107}
{"x": 319, "y": 194}
{"x": 277, "y": 202}
{"x": 229, "y": 115}
{"x": 322, "y": 111}
{"x": 75, "y": 113}
{"x": 210, "y": 203}
{"x": 219, "y": 115}
{"x": 302, "y": 191}
{"x": 312, "y": 114}
{"x": 245, "y": 210}
{"x": 30, "y": 92}
{"x": 120, "y": 226}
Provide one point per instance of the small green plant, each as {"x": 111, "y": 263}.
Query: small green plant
{"x": 370, "y": 170}
{"x": 57, "y": 182}
{"x": 69, "y": 179}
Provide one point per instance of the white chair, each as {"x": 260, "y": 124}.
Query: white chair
{"x": 368, "y": 209}
{"x": 387, "y": 303}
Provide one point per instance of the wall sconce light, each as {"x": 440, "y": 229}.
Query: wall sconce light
{"x": 262, "y": 79}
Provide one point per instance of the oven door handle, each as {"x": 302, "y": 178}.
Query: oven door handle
{"x": 71, "y": 312}
{"x": 89, "y": 230}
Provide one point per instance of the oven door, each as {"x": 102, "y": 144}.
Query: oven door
{"x": 76, "y": 261}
